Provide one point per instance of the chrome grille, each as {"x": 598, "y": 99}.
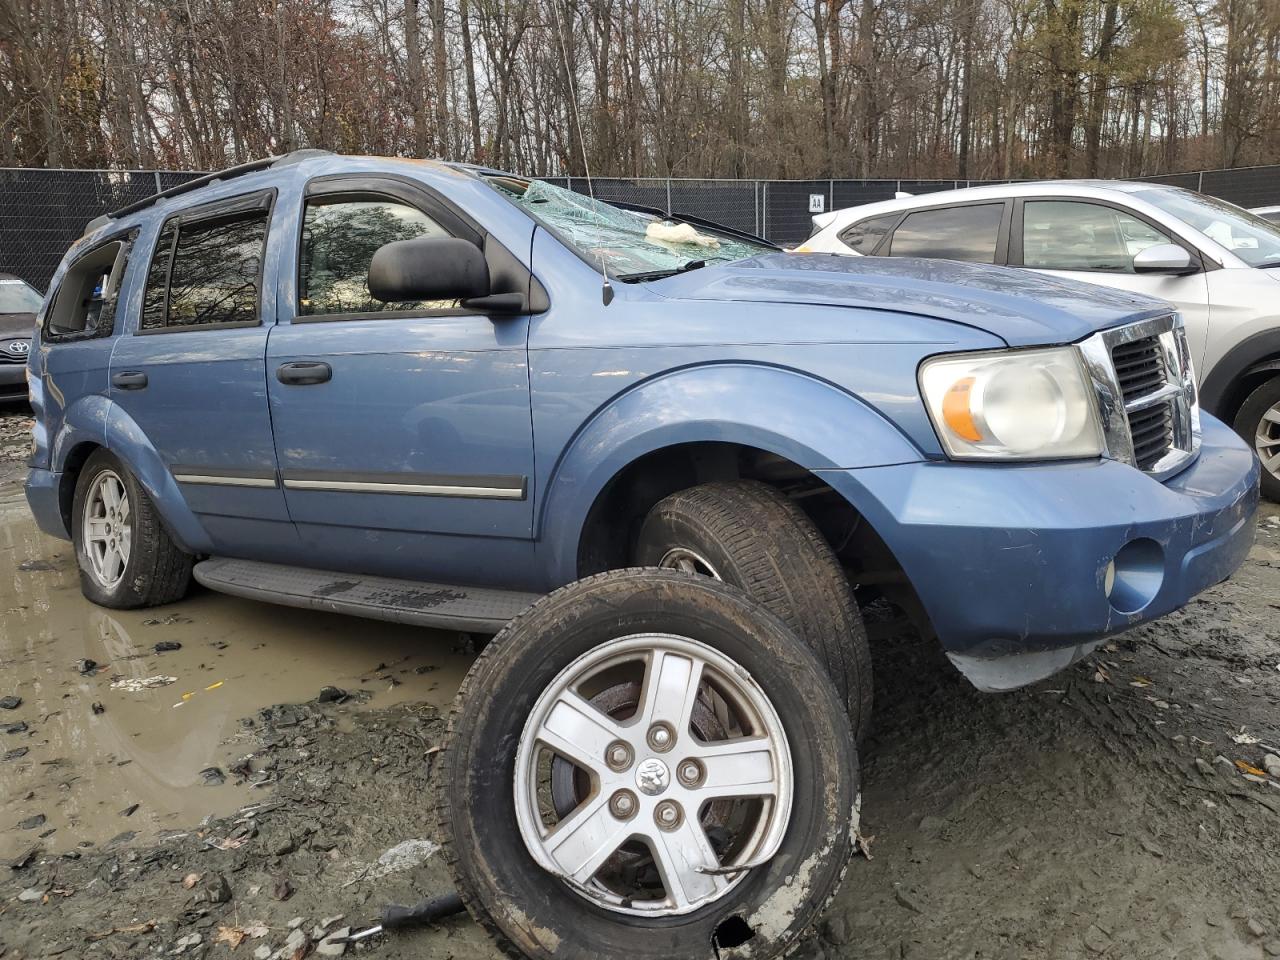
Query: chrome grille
{"x": 1146, "y": 394}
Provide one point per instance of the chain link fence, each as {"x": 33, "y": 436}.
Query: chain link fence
{"x": 42, "y": 212}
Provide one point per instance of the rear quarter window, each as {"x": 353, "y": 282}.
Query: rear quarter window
{"x": 865, "y": 235}
{"x": 950, "y": 233}
{"x": 85, "y": 304}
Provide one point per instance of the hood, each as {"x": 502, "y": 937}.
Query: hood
{"x": 1021, "y": 307}
{"x": 17, "y": 325}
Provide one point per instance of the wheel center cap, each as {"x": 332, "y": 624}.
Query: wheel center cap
{"x": 652, "y": 777}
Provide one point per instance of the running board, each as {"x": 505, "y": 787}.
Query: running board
{"x": 468, "y": 609}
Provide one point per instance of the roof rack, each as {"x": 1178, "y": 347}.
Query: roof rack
{"x": 253, "y": 166}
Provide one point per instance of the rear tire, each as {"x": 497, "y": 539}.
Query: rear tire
{"x": 491, "y": 794}
{"x": 749, "y": 535}
{"x": 1263, "y": 434}
{"x": 127, "y": 558}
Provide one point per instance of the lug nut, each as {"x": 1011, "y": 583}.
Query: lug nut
{"x": 690, "y": 773}
{"x": 623, "y": 804}
{"x": 667, "y": 815}
{"x": 661, "y": 737}
{"x": 618, "y": 756}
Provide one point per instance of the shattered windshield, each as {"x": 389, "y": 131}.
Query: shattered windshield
{"x": 1249, "y": 237}
{"x": 630, "y": 244}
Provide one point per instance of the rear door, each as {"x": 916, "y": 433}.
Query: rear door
{"x": 403, "y": 430}
{"x": 1096, "y": 242}
{"x": 975, "y": 232}
{"x": 191, "y": 371}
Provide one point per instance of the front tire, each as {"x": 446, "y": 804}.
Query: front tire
{"x": 127, "y": 558}
{"x": 748, "y": 534}
{"x": 1258, "y": 422}
{"x": 670, "y": 779}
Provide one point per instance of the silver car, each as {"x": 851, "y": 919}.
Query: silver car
{"x": 1217, "y": 263}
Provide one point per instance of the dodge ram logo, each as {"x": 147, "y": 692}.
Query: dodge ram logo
{"x": 18, "y": 348}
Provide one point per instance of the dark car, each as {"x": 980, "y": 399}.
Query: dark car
{"x": 19, "y": 302}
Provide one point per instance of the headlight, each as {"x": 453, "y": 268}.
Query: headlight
{"x": 1012, "y": 405}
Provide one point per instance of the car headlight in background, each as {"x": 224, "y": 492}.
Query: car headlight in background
{"x": 1015, "y": 404}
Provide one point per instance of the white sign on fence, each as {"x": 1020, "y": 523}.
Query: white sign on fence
{"x": 817, "y": 202}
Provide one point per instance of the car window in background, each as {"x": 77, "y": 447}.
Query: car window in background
{"x": 864, "y": 236}
{"x": 339, "y": 239}
{"x": 214, "y": 274}
{"x": 955, "y": 233}
{"x": 18, "y": 297}
{"x": 1073, "y": 235}
{"x": 1248, "y": 236}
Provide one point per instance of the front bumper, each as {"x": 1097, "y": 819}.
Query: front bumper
{"x": 1011, "y": 562}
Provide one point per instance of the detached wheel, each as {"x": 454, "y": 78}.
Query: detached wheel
{"x": 647, "y": 765}
{"x": 748, "y": 534}
{"x": 127, "y": 559}
{"x": 1258, "y": 421}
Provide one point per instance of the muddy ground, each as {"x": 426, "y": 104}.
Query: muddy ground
{"x": 1120, "y": 809}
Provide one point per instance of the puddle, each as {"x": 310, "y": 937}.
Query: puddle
{"x": 148, "y": 746}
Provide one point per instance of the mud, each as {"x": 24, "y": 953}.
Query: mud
{"x": 1099, "y": 814}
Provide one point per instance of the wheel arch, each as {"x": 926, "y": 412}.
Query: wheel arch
{"x": 1239, "y": 372}
{"x": 699, "y": 424}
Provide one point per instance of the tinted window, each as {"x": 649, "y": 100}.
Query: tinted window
{"x": 339, "y": 238}
{"x": 956, "y": 233}
{"x": 1069, "y": 235}
{"x": 214, "y": 276}
{"x": 864, "y": 236}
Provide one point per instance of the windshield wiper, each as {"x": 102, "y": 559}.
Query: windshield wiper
{"x": 670, "y": 272}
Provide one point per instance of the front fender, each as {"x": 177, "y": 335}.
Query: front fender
{"x": 793, "y": 415}
{"x": 126, "y": 440}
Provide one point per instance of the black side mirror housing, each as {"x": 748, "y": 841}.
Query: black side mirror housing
{"x": 428, "y": 268}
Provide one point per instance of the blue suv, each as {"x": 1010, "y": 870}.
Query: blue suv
{"x": 432, "y": 393}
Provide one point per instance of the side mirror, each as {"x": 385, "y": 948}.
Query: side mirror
{"x": 428, "y": 268}
{"x": 1163, "y": 258}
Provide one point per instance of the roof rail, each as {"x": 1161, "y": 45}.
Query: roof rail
{"x": 253, "y": 166}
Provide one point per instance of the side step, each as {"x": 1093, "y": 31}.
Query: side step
{"x": 468, "y": 609}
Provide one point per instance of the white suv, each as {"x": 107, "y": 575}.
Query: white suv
{"x": 1218, "y": 264}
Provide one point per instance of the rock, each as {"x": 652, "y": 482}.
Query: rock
{"x": 167, "y": 646}
{"x": 332, "y": 695}
{"x": 19, "y": 727}
{"x": 296, "y": 922}
{"x": 31, "y": 823}
{"x": 295, "y": 946}
{"x": 16, "y": 753}
{"x": 10, "y": 703}
{"x": 31, "y": 894}
{"x": 1255, "y": 928}
{"x": 24, "y": 860}
{"x": 213, "y": 777}
{"x": 285, "y": 846}
{"x": 262, "y": 953}
{"x": 216, "y": 890}
{"x": 1151, "y": 847}
{"x": 1095, "y": 940}
{"x": 1204, "y": 766}
{"x": 836, "y": 930}
{"x": 282, "y": 890}
{"x": 190, "y": 940}
{"x": 130, "y": 810}
{"x": 97, "y": 708}
{"x": 1271, "y": 763}
{"x": 335, "y": 944}
{"x": 905, "y": 900}
{"x": 87, "y": 667}
{"x": 1272, "y": 947}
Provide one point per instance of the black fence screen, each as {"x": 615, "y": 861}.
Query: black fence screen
{"x": 43, "y": 211}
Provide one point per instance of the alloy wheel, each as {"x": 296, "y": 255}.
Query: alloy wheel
{"x": 676, "y": 796}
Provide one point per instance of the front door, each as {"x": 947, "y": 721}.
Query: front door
{"x": 1096, "y": 243}
{"x": 191, "y": 372}
{"x": 402, "y": 429}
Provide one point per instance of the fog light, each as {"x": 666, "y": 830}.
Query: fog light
{"x": 1134, "y": 577}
